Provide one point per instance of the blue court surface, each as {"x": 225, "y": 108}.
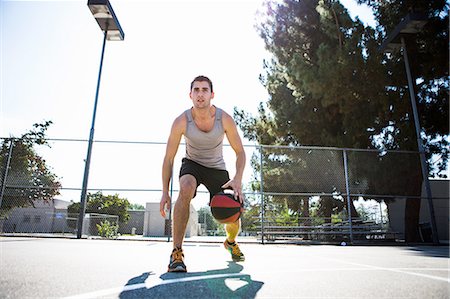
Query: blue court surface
{"x": 70, "y": 268}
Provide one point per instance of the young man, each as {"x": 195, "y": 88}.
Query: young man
{"x": 203, "y": 126}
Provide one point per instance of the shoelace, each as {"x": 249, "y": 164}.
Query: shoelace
{"x": 177, "y": 255}
{"x": 236, "y": 250}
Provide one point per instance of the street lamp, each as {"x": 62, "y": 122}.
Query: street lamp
{"x": 106, "y": 19}
{"x": 412, "y": 24}
{"x": 109, "y": 24}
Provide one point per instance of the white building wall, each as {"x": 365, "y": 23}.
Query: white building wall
{"x": 440, "y": 194}
{"x": 44, "y": 217}
{"x": 155, "y": 225}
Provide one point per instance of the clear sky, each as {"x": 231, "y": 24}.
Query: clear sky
{"x": 50, "y": 55}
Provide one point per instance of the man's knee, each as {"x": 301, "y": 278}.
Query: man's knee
{"x": 188, "y": 185}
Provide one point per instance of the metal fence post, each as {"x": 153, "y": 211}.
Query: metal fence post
{"x": 347, "y": 190}
{"x": 8, "y": 160}
{"x": 261, "y": 190}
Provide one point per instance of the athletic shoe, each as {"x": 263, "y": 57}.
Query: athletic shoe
{"x": 236, "y": 253}
{"x": 176, "y": 263}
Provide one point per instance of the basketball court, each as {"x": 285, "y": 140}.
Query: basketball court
{"x": 71, "y": 268}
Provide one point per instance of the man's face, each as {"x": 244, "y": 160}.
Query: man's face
{"x": 201, "y": 94}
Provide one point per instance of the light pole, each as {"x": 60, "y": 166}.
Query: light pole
{"x": 107, "y": 20}
{"x": 412, "y": 24}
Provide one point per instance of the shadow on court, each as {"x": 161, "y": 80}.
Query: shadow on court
{"x": 220, "y": 283}
{"x": 432, "y": 251}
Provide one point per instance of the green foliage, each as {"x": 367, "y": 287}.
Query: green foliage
{"x": 428, "y": 53}
{"x": 285, "y": 216}
{"x": 329, "y": 85}
{"x": 104, "y": 204}
{"x": 250, "y": 219}
{"x": 205, "y": 214}
{"x": 107, "y": 230}
{"x": 314, "y": 81}
{"x": 321, "y": 58}
{"x": 29, "y": 178}
{"x": 221, "y": 231}
{"x": 364, "y": 213}
{"x": 136, "y": 207}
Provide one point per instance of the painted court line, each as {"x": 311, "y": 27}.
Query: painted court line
{"x": 355, "y": 269}
{"x": 401, "y": 270}
{"x": 152, "y": 282}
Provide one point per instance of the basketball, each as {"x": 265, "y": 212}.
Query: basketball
{"x": 225, "y": 208}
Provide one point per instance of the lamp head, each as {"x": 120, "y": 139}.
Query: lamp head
{"x": 412, "y": 23}
{"x": 106, "y": 19}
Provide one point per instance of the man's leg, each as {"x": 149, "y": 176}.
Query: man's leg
{"x": 232, "y": 230}
{"x": 230, "y": 244}
{"x": 214, "y": 180}
{"x": 188, "y": 185}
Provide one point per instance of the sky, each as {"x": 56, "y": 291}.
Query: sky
{"x": 50, "y": 56}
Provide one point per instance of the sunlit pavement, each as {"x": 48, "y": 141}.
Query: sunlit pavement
{"x": 53, "y": 267}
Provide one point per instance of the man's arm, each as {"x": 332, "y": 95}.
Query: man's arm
{"x": 235, "y": 141}
{"x": 173, "y": 142}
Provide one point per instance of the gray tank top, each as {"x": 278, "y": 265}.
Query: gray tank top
{"x": 205, "y": 148}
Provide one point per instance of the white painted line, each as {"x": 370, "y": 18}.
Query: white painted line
{"x": 350, "y": 269}
{"x": 402, "y": 270}
{"x": 101, "y": 293}
{"x": 153, "y": 281}
{"x": 149, "y": 283}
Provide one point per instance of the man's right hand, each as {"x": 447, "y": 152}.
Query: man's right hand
{"x": 164, "y": 204}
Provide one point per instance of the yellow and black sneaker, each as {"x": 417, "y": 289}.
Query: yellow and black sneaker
{"x": 176, "y": 263}
{"x": 236, "y": 253}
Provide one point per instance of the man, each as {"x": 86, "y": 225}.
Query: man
{"x": 203, "y": 126}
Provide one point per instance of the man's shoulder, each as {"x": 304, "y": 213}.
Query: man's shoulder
{"x": 226, "y": 117}
{"x": 223, "y": 112}
{"x": 182, "y": 117}
{"x": 180, "y": 121}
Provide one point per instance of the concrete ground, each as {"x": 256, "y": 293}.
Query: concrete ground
{"x": 71, "y": 268}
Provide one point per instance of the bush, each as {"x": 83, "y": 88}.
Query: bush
{"x": 107, "y": 230}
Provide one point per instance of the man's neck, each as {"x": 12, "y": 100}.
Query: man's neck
{"x": 203, "y": 113}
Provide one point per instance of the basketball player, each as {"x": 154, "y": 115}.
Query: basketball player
{"x": 203, "y": 127}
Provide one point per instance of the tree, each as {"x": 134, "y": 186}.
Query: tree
{"x": 136, "y": 207}
{"x": 428, "y": 54}
{"x": 314, "y": 81}
{"x": 250, "y": 219}
{"x": 28, "y": 177}
{"x": 321, "y": 58}
{"x": 104, "y": 204}
{"x": 318, "y": 83}
{"x": 204, "y": 214}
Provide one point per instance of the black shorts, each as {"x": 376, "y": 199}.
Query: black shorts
{"x": 212, "y": 178}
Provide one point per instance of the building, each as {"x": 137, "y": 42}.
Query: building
{"x": 135, "y": 224}
{"x": 440, "y": 194}
{"x": 44, "y": 217}
{"x": 157, "y": 226}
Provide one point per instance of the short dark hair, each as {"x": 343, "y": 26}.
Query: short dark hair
{"x": 202, "y": 79}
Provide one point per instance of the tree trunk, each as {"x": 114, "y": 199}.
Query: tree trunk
{"x": 305, "y": 211}
{"x": 327, "y": 208}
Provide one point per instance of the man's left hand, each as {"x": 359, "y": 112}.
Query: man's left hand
{"x": 237, "y": 189}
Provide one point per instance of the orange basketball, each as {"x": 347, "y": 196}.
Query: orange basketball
{"x": 225, "y": 208}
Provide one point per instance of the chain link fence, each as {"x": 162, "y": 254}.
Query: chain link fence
{"x": 344, "y": 195}
{"x": 300, "y": 194}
